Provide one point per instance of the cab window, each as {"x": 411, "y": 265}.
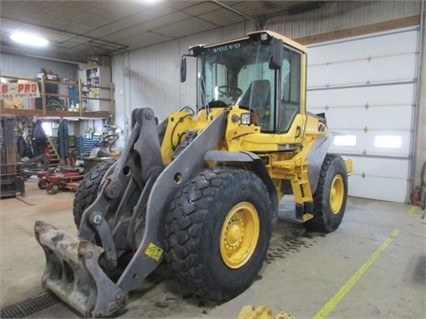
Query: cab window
{"x": 289, "y": 102}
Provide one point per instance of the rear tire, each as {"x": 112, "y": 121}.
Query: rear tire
{"x": 88, "y": 189}
{"x": 52, "y": 189}
{"x": 331, "y": 195}
{"x": 42, "y": 183}
{"x": 218, "y": 231}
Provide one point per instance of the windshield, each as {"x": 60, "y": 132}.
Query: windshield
{"x": 238, "y": 74}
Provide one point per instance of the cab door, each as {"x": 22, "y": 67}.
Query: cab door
{"x": 291, "y": 97}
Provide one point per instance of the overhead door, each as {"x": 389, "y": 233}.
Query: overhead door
{"x": 366, "y": 86}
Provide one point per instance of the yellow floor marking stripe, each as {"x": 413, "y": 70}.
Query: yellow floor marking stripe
{"x": 412, "y": 210}
{"x": 335, "y": 300}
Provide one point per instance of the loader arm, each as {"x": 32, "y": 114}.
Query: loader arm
{"x": 143, "y": 148}
{"x": 77, "y": 267}
{"x": 180, "y": 170}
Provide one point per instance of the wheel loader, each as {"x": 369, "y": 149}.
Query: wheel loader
{"x": 199, "y": 191}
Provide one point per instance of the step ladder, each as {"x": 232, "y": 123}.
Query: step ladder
{"x": 54, "y": 158}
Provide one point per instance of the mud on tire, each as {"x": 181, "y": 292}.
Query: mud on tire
{"x": 202, "y": 229}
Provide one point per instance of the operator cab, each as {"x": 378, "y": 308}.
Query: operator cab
{"x": 263, "y": 72}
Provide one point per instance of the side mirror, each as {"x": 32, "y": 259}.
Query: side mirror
{"x": 183, "y": 69}
{"x": 275, "y": 54}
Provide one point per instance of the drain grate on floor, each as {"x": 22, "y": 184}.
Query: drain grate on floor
{"x": 30, "y": 306}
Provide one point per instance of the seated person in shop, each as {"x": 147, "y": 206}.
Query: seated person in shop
{"x": 101, "y": 150}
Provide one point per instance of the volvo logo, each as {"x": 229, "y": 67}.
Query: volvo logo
{"x": 228, "y": 47}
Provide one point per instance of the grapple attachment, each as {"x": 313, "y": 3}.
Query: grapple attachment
{"x": 73, "y": 273}
{"x": 125, "y": 220}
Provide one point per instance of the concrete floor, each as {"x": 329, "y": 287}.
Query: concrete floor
{"x": 373, "y": 266}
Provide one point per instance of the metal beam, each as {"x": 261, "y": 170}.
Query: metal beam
{"x": 225, "y": 6}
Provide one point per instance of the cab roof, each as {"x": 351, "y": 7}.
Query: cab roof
{"x": 273, "y": 34}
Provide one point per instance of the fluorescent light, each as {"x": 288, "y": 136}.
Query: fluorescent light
{"x": 29, "y": 39}
{"x": 150, "y": 2}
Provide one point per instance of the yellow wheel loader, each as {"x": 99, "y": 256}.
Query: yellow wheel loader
{"x": 201, "y": 189}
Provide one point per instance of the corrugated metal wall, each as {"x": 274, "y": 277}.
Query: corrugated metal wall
{"x": 150, "y": 76}
{"x": 19, "y": 66}
{"x": 26, "y": 67}
{"x": 337, "y": 15}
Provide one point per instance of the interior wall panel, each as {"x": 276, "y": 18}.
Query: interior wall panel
{"x": 20, "y": 66}
{"x": 151, "y": 75}
{"x": 338, "y": 15}
{"x": 154, "y": 79}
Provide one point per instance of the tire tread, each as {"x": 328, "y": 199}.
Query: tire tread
{"x": 88, "y": 190}
{"x": 184, "y": 225}
{"x": 319, "y": 223}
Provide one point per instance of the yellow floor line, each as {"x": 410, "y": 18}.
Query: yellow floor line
{"x": 412, "y": 210}
{"x": 335, "y": 300}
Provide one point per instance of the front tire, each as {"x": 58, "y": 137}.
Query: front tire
{"x": 88, "y": 189}
{"x": 331, "y": 195}
{"x": 218, "y": 231}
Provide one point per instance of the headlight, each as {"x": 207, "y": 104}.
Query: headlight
{"x": 245, "y": 118}
{"x": 248, "y": 118}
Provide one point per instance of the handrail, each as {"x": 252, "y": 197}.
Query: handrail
{"x": 63, "y": 108}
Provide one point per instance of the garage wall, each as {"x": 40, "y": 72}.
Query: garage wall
{"x": 150, "y": 77}
{"x": 25, "y": 67}
{"x": 341, "y": 15}
{"x": 144, "y": 66}
{"x": 420, "y": 139}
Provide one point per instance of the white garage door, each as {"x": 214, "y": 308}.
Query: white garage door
{"x": 366, "y": 86}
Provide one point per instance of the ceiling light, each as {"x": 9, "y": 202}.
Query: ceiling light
{"x": 29, "y": 39}
{"x": 149, "y": 2}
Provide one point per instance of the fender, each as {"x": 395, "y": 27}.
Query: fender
{"x": 315, "y": 158}
{"x": 257, "y": 166}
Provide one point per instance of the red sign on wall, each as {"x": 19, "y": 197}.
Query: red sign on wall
{"x": 19, "y": 90}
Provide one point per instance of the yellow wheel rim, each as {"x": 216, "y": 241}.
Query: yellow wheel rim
{"x": 337, "y": 193}
{"x": 239, "y": 235}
